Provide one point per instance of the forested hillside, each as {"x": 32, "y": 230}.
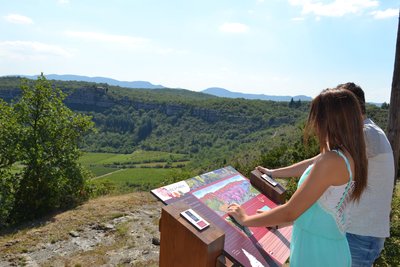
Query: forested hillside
{"x": 207, "y": 128}
{"x": 212, "y": 131}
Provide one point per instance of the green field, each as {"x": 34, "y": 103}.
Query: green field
{"x": 129, "y": 172}
{"x": 99, "y": 170}
{"x": 136, "y": 157}
{"x": 125, "y": 179}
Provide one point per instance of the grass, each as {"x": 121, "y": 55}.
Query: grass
{"x": 136, "y": 176}
{"x": 122, "y": 229}
{"x": 99, "y": 170}
{"x": 162, "y": 164}
{"x": 139, "y": 156}
{"x": 140, "y": 170}
{"x": 57, "y": 226}
{"x": 391, "y": 252}
{"x": 95, "y": 158}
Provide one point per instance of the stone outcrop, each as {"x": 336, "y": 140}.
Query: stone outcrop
{"x": 99, "y": 99}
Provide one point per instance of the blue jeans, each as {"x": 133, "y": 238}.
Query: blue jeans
{"x": 364, "y": 249}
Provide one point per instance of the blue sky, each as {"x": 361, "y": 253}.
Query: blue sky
{"x": 276, "y": 47}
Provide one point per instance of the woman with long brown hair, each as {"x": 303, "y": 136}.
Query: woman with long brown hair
{"x": 328, "y": 182}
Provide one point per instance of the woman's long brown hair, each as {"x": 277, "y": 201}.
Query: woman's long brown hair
{"x": 335, "y": 118}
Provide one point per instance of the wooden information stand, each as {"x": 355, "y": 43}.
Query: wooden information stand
{"x": 276, "y": 193}
{"x": 183, "y": 245}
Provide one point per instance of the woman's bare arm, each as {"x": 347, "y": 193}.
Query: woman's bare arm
{"x": 329, "y": 169}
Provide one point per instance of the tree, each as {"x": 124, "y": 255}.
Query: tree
{"x": 394, "y": 111}
{"x": 298, "y": 103}
{"x": 8, "y": 135}
{"x": 52, "y": 177}
{"x": 145, "y": 129}
{"x": 385, "y": 105}
{"x": 9, "y": 151}
{"x": 291, "y": 103}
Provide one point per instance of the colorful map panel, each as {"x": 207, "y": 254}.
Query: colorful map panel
{"x": 210, "y": 194}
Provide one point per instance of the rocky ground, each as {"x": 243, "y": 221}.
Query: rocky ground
{"x": 108, "y": 231}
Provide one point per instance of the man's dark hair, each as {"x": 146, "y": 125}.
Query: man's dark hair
{"x": 359, "y": 93}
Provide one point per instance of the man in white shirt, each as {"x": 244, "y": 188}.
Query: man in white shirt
{"x": 370, "y": 217}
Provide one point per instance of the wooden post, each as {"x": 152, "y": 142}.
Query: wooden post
{"x": 183, "y": 245}
{"x": 224, "y": 261}
{"x": 275, "y": 193}
{"x": 394, "y": 108}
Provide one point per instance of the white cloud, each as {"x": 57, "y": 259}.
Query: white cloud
{"x": 63, "y": 2}
{"x": 30, "y": 50}
{"x": 335, "y": 8}
{"x": 18, "y": 19}
{"x": 383, "y": 14}
{"x": 169, "y": 51}
{"x": 109, "y": 38}
{"x": 125, "y": 43}
{"x": 298, "y": 19}
{"x": 234, "y": 28}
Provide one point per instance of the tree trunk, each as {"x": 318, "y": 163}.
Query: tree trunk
{"x": 394, "y": 109}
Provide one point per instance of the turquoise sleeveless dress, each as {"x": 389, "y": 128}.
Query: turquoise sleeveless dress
{"x": 318, "y": 237}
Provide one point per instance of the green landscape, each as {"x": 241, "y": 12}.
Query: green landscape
{"x": 134, "y": 140}
{"x": 140, "y": 170}
{"x": 143, "y": 138}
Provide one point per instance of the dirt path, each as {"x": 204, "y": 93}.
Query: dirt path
{"x": 108, "y": 231}
{"x": 107, "y": 174}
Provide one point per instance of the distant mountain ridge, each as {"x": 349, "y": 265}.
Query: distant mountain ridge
{"x": 215, "y": 91}
{"x": 68, "y": 77}
{"x": 221, "y": 92}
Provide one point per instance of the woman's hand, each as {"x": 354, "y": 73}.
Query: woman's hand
{"x": 237, "y": 213}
